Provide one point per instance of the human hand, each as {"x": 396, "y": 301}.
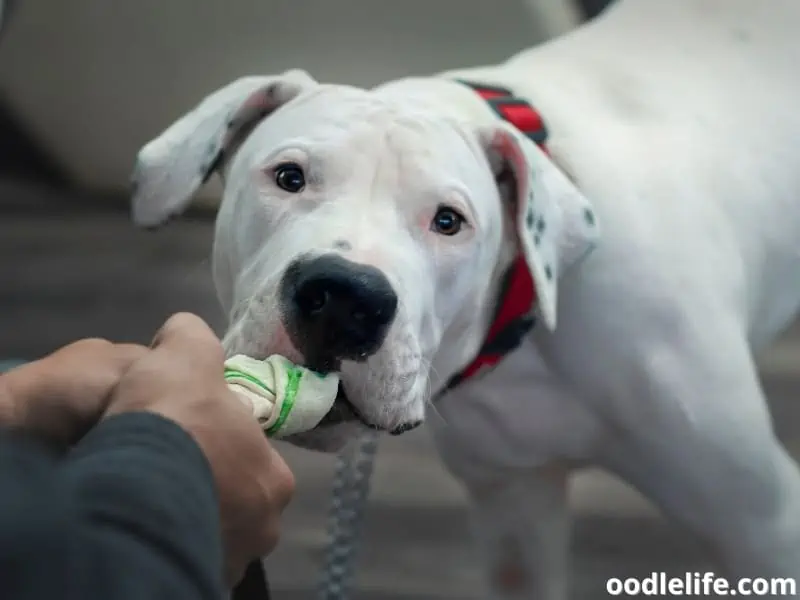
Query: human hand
{"x": 63, "y": 395}
{"x": 181, "y": 378}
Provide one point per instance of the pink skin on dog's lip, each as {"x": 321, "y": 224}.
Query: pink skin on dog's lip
{"x": 282, "y": 344}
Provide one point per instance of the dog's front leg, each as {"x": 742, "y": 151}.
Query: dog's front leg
{"x": 697, "y": 439}
{"x": 521, "y": 522}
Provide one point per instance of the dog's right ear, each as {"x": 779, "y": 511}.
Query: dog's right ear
{"x": 173, "y": 166}
{"x": 556, "y": 225}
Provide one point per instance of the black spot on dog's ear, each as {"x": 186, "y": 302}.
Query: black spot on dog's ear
{"x": 213, "y": 161}
{"x": 529, "y": 219}
{"x": 588, "y": 216}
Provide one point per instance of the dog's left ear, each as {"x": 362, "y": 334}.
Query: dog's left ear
{"x": 172, "y": 167}
{"x": 555, "y": 223}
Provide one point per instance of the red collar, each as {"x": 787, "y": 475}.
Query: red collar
{"x": 512, "y": 318}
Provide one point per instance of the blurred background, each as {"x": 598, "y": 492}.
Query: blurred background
{"x": 84, "y": 83}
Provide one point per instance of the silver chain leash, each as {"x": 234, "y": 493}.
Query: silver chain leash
{"x": 351, "y": 485}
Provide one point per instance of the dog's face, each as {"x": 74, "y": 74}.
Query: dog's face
{"x": 351, "y": 235}
{"x": 357, "y": 233}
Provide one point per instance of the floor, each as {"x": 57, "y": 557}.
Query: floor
{"x": 67, "y": 273}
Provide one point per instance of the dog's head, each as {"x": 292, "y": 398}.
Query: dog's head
{"x": 361, "y": 233}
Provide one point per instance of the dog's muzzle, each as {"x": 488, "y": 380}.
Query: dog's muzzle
{"x": 334, "y": 309}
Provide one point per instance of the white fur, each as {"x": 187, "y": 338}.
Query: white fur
{"x": 678, "y": 123}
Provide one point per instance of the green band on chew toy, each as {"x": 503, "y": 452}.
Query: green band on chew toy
{"x": 286, "y": 398}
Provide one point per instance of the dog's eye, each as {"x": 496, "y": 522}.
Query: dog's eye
{"x": 447, "y": 221}
{"x": 290, "y": 177}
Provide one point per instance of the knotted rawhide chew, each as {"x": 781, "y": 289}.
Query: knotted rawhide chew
{"x": 286, "y": 398}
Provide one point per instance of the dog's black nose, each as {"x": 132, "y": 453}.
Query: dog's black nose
{"x": 336, "y": 309}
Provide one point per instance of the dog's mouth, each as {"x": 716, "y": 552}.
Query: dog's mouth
{"x": 344, "y": 411}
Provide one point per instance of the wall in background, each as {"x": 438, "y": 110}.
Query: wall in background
{"x": 92, "y": 80}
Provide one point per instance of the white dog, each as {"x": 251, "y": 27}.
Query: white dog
{"x": 371, "y": 231}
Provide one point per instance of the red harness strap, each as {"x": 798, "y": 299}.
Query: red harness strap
{"x": 512, "y": 318}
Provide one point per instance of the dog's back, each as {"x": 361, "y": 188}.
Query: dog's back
{"x": 691, "y": 104}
